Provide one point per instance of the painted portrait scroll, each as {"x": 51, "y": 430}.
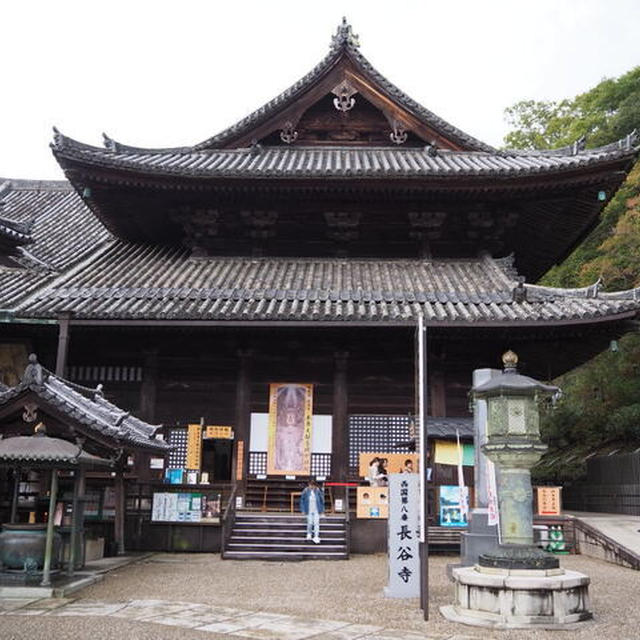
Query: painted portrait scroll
{"x": 290, "y": 416}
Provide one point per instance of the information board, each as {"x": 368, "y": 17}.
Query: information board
{"x": 549, "y": 501}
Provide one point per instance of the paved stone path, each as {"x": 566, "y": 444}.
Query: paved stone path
{"x": 211, "y": 618}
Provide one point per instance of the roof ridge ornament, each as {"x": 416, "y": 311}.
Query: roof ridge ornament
{"x": 34, "y": 372}
{"x": 344, "y": 37}
{"x": 109, "y": 143}
{"x": 579, "y": 145}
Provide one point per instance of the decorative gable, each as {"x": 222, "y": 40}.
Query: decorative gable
{"x": 344, "y": 100}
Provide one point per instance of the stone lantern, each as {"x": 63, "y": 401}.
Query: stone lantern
{"x": 514, "y": 446}
{"x": 516, "y": 584}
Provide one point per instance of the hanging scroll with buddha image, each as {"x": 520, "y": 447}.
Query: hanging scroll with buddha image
{"x": 290, "y": 418}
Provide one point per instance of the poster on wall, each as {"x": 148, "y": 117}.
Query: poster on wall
{"x": 372, "y": 465}
{"x": 373, "y": 502}
{"x": 290, "y": 416}
{"x": 452, "y": 513}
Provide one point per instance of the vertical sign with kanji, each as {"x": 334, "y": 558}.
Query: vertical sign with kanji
{"x": 404, "y": 536}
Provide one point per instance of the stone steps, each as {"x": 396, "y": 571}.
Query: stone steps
{"x": 259, "y": 536}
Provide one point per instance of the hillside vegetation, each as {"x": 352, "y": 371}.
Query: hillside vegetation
{"x": 601, "y": 401}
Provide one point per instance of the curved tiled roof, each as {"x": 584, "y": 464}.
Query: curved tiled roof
{"x": 97, "y": 277}
{"x": 85, "y": 406}
{"x": 41, "y": 449}
{"x": 340, "y": 162}
{"x": 142, "y": 282}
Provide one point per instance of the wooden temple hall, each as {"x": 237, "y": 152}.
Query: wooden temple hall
{"x": 257, "y": 295}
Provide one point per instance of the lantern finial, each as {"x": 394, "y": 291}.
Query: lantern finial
{"x": 509, "y": 360}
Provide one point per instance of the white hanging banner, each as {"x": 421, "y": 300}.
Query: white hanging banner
{"x": 493, "y": 517}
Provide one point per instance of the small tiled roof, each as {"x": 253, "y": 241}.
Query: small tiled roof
{"x": 41, "y": 449}
{"x": 85, "y": 406}
{"x": 298, "y": 162}
{"x": 141, "y": 282}
{"x": 14, "y": 233}
{"x": 448, "y": 427}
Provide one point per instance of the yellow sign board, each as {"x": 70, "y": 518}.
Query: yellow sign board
{"x": 194, "y": 446}
{"x": 214, "y": 431}
{"x": 549, "y": 501}
{"x": 239, "y": 459}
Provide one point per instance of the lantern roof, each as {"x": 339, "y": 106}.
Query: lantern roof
{"x": 512, "y": 383}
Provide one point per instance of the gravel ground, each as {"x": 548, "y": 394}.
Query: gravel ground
{"x": 350, "y": 591}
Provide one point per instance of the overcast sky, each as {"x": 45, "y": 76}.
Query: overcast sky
{"x": 174, "y": 73}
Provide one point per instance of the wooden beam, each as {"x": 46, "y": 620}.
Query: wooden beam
{"x": 339, "y": 435}
{"x": 48, "y": 549}
{"x": 242, "y": 425}
{"x": 149, "y": 386}
{"x": 118, "y": 521}
{"x": 77, "y": 518}
{"x": 63, "y": 344}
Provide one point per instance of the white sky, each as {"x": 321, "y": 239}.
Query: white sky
{"x": 157, "y": 73}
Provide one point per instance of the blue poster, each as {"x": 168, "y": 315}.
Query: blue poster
{"x": 452, "y": 513}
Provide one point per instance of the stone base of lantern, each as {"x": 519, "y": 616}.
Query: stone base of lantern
{"x": 519, "y": 598}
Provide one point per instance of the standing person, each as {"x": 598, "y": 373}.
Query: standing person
{"x": 312, "y": 505}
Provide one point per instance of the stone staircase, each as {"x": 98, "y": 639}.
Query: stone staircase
{"x": 263, "y": 536}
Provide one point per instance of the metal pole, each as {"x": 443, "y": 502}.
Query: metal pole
{"x": 424, "y": 494}
{"x": 16, "y": 490}
{"x": 48, "y": 549}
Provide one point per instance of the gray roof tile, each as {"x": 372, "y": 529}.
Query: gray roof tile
{"x": 335, "y": 162}
{"x": 130, "y": 281}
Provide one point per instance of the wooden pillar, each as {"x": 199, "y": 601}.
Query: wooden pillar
{"x": 118, "y": 522}
{"x": 63, "y": 344}
{"x": 438, "y": 395}
{"x": 149, "y": 387}
{"x": 48, "y": 548}
{"x": 242, "y": 425}
{"x": 76, "y": 519}
{"x": 340, "y": 426}
{"x": 16, "y": 491}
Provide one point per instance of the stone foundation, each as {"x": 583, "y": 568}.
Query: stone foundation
{"x": 524, "y": 598}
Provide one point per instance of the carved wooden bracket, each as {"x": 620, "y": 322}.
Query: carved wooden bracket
{"x": 399, "y": 134}
{"x": 344, "y": 100}
{"x": 261, "y": 223}
{"x": 343, "y": 225}
{"x": 288, "y": 134}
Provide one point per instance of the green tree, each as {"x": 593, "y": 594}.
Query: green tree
{"x": 601, "y": 402}
{"x": 604, "y": 114}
